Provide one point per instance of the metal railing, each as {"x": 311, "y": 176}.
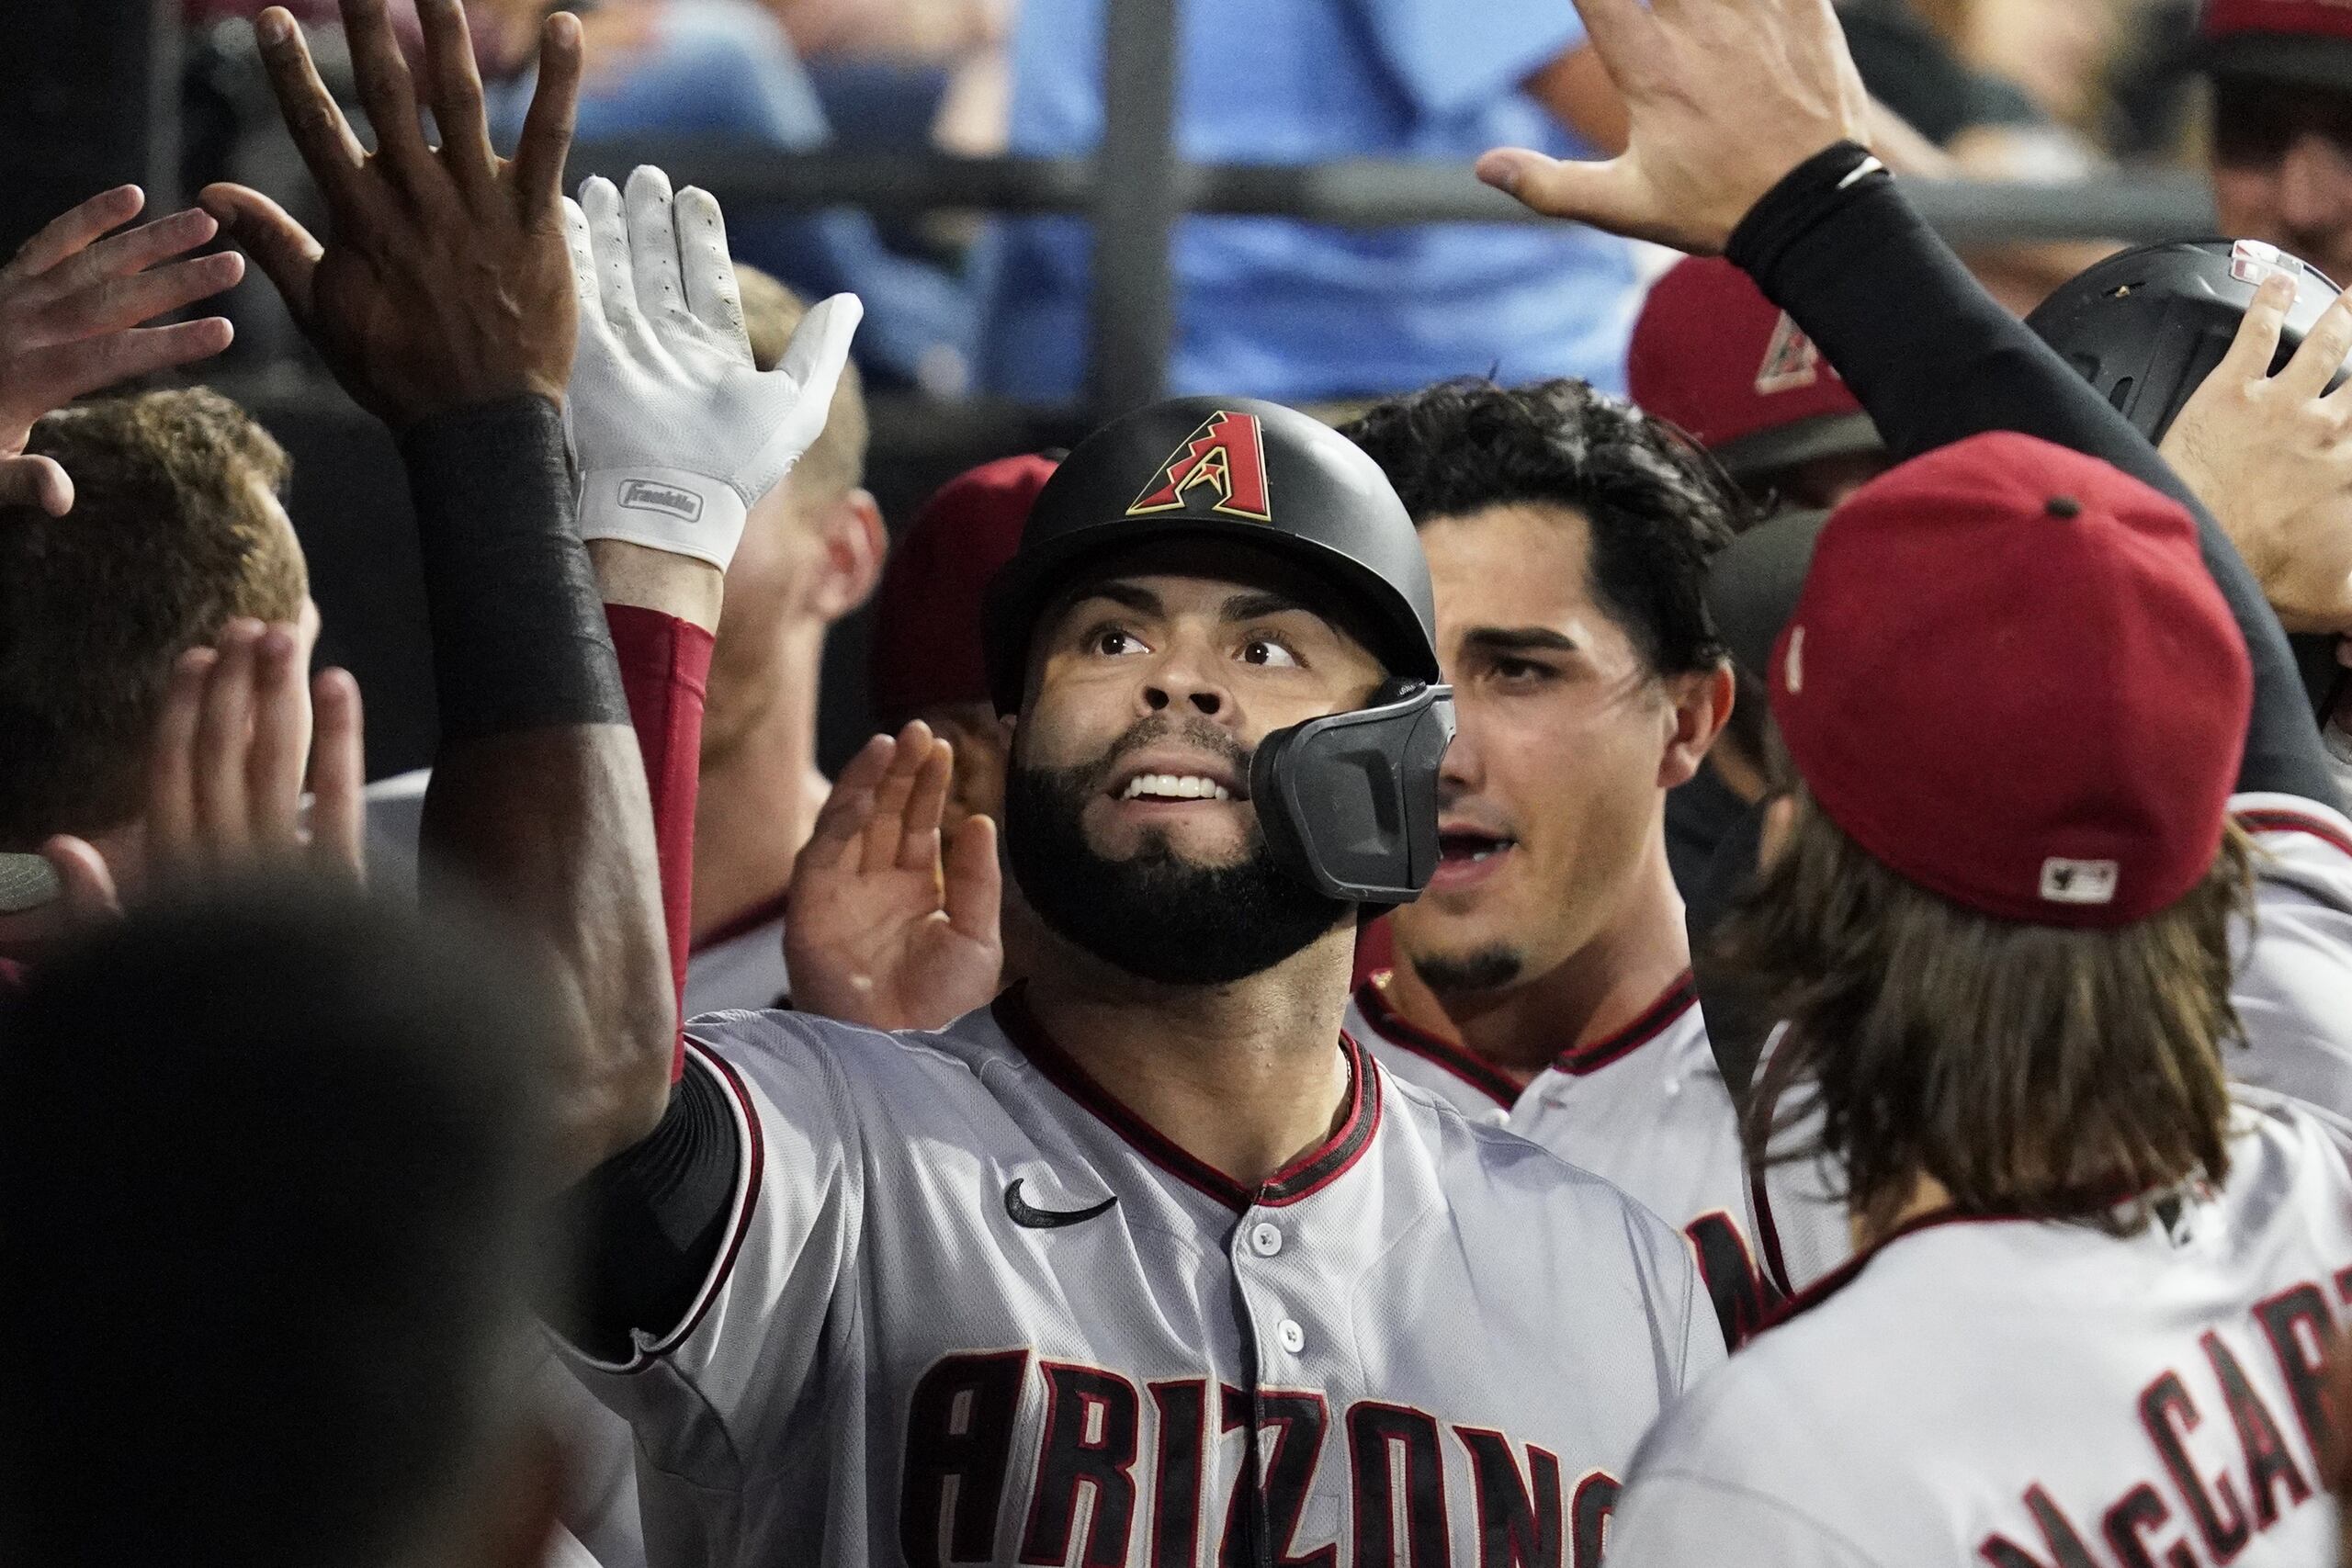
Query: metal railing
{"x": 1135, "y": 212}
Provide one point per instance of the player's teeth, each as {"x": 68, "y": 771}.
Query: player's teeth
{"x": 1223, "y": 793}
{"x": 1191, "y": 789}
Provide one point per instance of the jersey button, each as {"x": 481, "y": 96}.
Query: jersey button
{"x": 1293, "y": 1337}
{"x": 1265, "y": 1239}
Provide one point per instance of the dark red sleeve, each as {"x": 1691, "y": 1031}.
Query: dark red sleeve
{"x": 665, "y": 669}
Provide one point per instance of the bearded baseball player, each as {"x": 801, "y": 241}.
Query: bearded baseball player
{"x": 1147, "y": 1261}
{"x": 2024, "y": 693}
{"x": 1543, "y": 981}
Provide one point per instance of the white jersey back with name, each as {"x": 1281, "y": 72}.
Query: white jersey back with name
{"x": 2294, "y": 995}
{"x": 2024, "y": 1394}
{"x": 970, "y": 1310}
{"x": 1646, "y": 1107}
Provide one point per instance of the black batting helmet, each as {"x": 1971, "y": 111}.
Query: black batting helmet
{"x": 1348, "y": 802}
{"x": 2148, "y": 326}
{"x": 1234, "y": 469}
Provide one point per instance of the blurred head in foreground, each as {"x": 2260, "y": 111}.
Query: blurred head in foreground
{"x": 270, "y": 1172}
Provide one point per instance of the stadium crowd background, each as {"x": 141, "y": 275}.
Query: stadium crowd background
{"x": 976, "y": 341}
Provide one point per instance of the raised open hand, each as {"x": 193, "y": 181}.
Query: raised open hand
{"x": 71, "y": 303}
{"x": 881, "y": 927}
{"x": 239, "y": 732}
{"x": 678, "y": 433}
{"x": 445, "y": 281}
{"x": 1723, "y": 98}
{"x": 2271, "y": 456}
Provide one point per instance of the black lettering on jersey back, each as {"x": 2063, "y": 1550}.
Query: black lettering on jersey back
{"x": 1588, "y": 1513}
{"x": 2267, "y": 1463}
{"x": 2128, "y": 1523}
{"x": 959, "y": 1441}
{"x": 1183, "y": 1406}
{"x": 1092, "y": 1419}
{"x": 2300, "y": 1328}
{"x": 1290, "y": 1428}
{"x": 1387, "y": 1443}
{"x": 2170, "y": 1416}
{"x": 1520, "y": 1515}
{"x": 1734, "y": 1284}
{"x": 2059, "y": 1538}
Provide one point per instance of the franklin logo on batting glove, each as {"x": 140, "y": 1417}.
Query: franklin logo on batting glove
{"x": 644, "y": 496}
{"x": 678, "y": 434}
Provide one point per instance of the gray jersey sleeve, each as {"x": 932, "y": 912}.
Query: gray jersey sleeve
{"x": 1674, "y": 1521}
{"x": 2295, "y": 968}
{"x": 709, "y": 1391}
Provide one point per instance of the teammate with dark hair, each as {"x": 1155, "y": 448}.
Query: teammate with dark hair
{"x": 1543, "y": 980}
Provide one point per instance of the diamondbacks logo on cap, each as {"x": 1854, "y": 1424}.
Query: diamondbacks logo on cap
{"x": 1227, "y": 453}
{"x": 2067, "y": 881}
{"x": 1789, "y": 362}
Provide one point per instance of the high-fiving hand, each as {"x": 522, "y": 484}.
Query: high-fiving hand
{"x": 71, "y": 303}
{"x": 2271, "y": 457}
{"x": 677, "y": 432}
{"x": 444, "y": 282}
{"x": 240, "y": 732}
{"x": 881, "y": 926}
{"x": 1723, "y": 98}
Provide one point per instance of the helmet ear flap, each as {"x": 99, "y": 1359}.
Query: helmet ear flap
{"x": 1348, "y": 802}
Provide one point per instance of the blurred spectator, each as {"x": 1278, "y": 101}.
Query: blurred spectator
{"x": 2056, "y": 54}
{"x": 2282, "y": 125}
{"x": 1281, "y": 308}
{"x": 270, "y": 1184}
{"x": 726, "y": 68}
{"x": 1914, "y": 68}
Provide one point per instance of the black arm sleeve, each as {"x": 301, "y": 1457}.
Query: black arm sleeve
{"x": 651, "y": 1220}
{"x": 1935, "y": 360}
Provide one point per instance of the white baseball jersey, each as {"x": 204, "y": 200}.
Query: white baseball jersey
{"x": 971, "y": 1310}
{"x": 1646, "y": 1107}
{"x": 2027, "y": 1394}
{"x": 2294, "y": 995}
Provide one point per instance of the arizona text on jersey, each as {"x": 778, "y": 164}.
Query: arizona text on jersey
{"x": 972, "y": 1311}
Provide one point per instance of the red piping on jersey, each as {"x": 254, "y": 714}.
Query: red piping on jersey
{"x": 1837, "y": 1278}
{"x": 755, "y": 1161}
{"x": 2274, "y": 820}
{"x": 1768, "y": 1236}
{"x": 1679, "y": 997}
{"x": 744, "y": 924}
{"x": 1432, "y": 1047}
{"x": 1309, "y": 1174}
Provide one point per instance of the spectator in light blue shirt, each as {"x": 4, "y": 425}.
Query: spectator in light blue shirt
{"x": 1302, "y": 313}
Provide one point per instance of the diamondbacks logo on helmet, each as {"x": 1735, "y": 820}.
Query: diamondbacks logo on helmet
{"x": 1790, "y": 361}
{"x": 1227, "y": 453}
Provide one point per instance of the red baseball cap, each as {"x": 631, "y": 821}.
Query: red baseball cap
{"x": 2305, "y": 42}
{"x": 1712, "y": 355}
{"x": 926, "y": 645}
{"x": 2011, "y": 679}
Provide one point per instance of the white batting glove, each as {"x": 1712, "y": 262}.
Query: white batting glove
{"x": 677, "y": 434}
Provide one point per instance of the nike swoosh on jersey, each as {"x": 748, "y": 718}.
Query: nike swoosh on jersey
{"x": 1050, "y": 1219}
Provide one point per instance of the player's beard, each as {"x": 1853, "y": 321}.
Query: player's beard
{"x": 1153, "y": 915}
